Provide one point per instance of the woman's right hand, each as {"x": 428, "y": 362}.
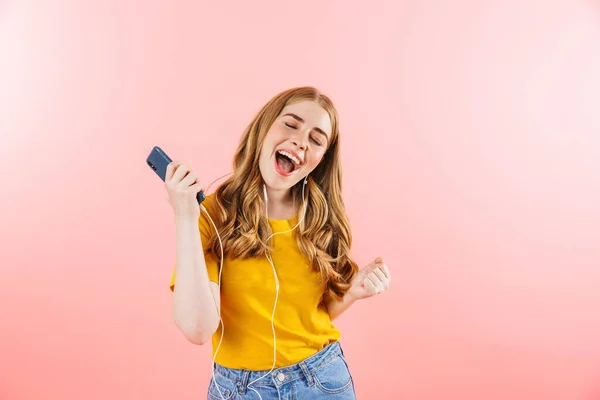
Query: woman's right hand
{"x": 182, "y": 186}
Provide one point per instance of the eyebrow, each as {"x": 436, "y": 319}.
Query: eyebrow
{"x": 317, "y": 129}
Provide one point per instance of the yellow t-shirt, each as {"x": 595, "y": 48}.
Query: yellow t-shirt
{"x": 302, "y": 327}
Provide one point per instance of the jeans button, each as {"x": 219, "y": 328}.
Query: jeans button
{"x": 280, "y": 377}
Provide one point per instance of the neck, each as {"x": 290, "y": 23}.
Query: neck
{"x": 280, "y": 204}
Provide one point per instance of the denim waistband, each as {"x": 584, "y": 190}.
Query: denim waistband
{"x": 284, "y": 375}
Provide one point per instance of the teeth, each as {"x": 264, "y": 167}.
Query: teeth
{"x": 290, "y": 156}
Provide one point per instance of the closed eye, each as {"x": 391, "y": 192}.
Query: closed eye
{"x": 315, "y": 141}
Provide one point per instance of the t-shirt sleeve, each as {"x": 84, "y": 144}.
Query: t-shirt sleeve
{"x": 212, "y": 266}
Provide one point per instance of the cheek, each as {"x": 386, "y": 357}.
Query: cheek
{"x": 275, "y": 134}
{"x": 268, "y": 143}
{"x": 315, "y": 158}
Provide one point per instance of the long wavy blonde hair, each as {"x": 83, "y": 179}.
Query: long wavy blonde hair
{"x": 324, "y": 236}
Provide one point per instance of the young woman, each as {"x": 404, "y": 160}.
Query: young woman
{"x": 265, "y": 268}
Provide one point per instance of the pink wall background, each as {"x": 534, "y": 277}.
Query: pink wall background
{"x": 471, "y": 140}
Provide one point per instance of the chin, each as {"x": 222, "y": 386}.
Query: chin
{"x": 274, "y": 181}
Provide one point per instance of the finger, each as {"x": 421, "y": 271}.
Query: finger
{"x": 371, "y": 267}
{"x": 379, "y": 284}
{"x": 386, "y": 271}
{"x": 379, "y": 273}
{"x": 171, "y": 170}
{"x": 196, "y": 187}
{"x": 385, "y": 282}
{"x": 376, "y": 282}
{"x": 370, "y": 286}
{"x": 374, "y": 263}
{"x": 189, "y": 180}
{"x": 180, "y": 173}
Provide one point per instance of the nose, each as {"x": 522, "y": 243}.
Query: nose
{"x": 299, "y": 143}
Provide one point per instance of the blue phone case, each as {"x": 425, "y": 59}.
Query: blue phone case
{"x": 158, "y": 160}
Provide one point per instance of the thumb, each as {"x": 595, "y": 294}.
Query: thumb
{"x": 376, "y": 261}
{"x": 373, "y": 264}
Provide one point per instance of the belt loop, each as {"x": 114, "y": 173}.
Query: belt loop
{"x": 307, "y": 373}
{"x": 244, "y": 383}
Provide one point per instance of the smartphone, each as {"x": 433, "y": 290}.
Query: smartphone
{"x": 158, "y": 160}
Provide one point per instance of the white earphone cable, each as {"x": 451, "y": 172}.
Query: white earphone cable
{"x": 277, "y": 283}
{"x": 276, "y": 290}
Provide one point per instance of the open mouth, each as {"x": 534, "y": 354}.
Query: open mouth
{"x": 286, "y": 163}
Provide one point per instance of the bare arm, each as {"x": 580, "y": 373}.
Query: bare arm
{"x": 196, "y": 299}
{"x": 369, "y": 281}
{"x": 337, "y": 307}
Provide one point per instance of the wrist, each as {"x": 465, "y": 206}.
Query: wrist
{"x": 350, "y": 297}
{"x": 185, "y": 219}
{"x": 186, "y": 225}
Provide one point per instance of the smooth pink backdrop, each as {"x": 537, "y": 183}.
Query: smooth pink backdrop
{"x": 471, "y": 146}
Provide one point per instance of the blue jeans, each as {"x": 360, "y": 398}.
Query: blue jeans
{"x": 325, "y": 375}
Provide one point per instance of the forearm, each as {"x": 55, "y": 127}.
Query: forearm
{"x": 337, "y": 307}
{"x": 194, "y": 307}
